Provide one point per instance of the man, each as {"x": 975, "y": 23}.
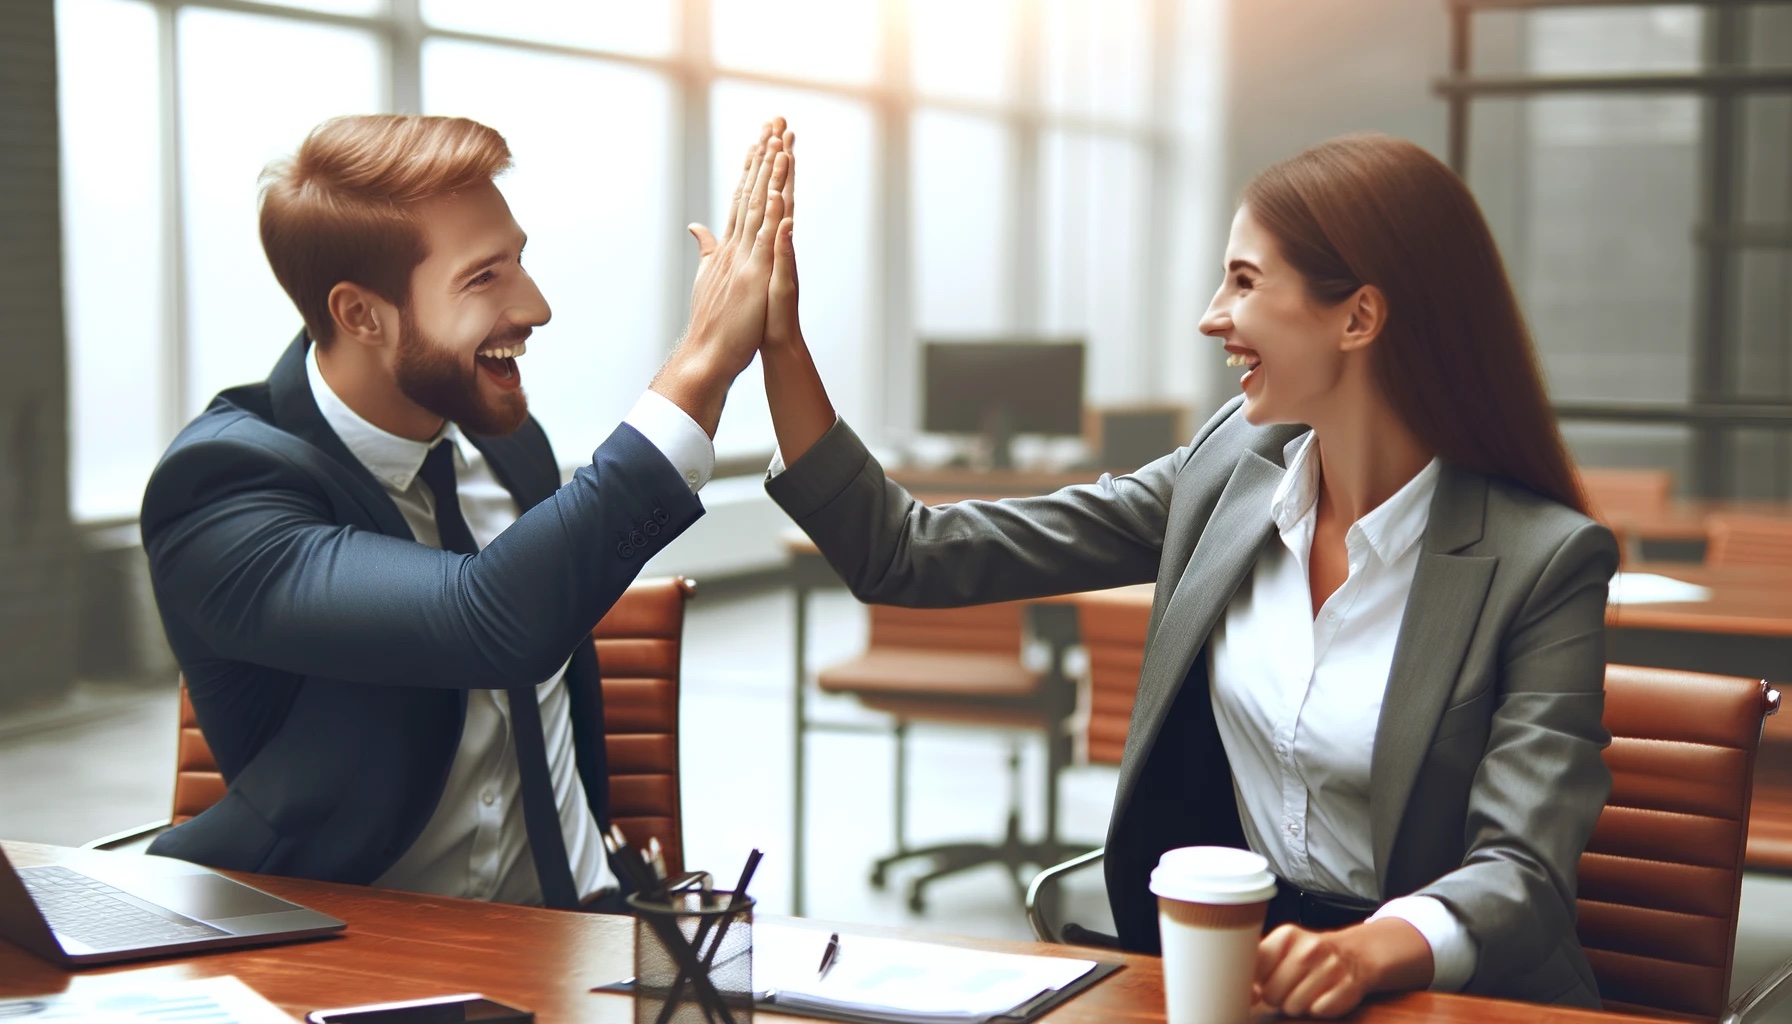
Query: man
{"x": 377, "y": 588}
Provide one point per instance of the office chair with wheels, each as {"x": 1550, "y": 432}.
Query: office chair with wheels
{"x": 959, "y": 666}
{"x": 638, "y": 649}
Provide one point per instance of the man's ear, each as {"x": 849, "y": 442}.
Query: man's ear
{"x": 1368, "y": 314}
{"x": 362, "y": 316}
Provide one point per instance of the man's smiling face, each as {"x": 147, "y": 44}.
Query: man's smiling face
{"x": 472, "y": 307}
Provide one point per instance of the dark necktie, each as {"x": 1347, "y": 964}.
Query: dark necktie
{"x": 541, "y": 816}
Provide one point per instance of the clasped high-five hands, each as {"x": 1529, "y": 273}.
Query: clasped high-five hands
{"x": 745, "y": 294}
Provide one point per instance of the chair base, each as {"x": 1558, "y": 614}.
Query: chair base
{"x": 952, "y": 858}
{"x": 947, "y": 859}
{"x": 1012, "y": 852}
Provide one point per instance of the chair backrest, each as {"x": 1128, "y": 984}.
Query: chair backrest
{"x": 638, "y": 646}
{"x": 1736, "y": 539}
{"x": 1661, "y": 881}
{"x": 197, "y": 782}
{"x": 1113, "y": 628}
{"x": 639, "y": 642}
{"x": 989, "y": 628}
{"x": 1618, "y": 491}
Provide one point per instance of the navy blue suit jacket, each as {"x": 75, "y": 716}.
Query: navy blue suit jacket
{"x": 329, "y": 654}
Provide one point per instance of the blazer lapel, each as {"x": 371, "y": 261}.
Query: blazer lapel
{"x": 1442, "y": 610}
{"x": 517, "y": 468}
{"x": 1230, "y": 543}
{"x": 295, "y": 411}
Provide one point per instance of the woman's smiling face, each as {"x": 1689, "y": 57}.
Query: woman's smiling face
{"x": 1292, "y": 350}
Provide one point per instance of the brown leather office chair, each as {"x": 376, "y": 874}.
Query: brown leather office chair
{"x": 1745, "y": 540}
{"x": 1661, "y": 882}
{"x": 638, "y": 647}
{"x": 1770, "y": 817}
{"x": 1112, "y": 625}
{"x": 959, "y": 666}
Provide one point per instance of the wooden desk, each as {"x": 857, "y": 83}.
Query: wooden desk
{"x": 402, "y": 946}
{"x": 1745, "y": 629}
{"x": 1677, "y": 531}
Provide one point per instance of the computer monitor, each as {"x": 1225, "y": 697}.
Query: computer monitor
{"x": 998, "y": 389}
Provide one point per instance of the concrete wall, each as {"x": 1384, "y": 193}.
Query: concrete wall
{"x": 1593, "y": 200}
{"x": 36, "y": 615}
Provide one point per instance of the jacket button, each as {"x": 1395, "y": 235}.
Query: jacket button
{"x": 625, "y": 550}
{"x": 662, "y": 515}
{"x": 650, "y": 528}
{"x": 637, "y": 539}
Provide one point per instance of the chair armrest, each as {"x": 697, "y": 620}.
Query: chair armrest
{"x": 1764, "y": 995}
{"x": 1042, "y": 928}
{"x": 118, "y": 840}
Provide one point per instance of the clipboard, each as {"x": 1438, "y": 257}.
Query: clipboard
{"x": 1031, "y": 1010}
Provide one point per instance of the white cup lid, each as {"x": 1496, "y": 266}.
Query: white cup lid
{"x": 1213, "y": 874}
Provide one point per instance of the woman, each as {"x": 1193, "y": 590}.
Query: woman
{"x": 1376, "y": 653}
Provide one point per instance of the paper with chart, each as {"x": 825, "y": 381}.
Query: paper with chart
{"x": 900, "y": 980}
{"x": 222, "y": 1000}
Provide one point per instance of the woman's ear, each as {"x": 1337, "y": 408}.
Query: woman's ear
{"x": 1368, "y": 314}
{"x": 362, "y": 316}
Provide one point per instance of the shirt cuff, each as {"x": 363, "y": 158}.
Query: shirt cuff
{"x": 778, "y": 467}
{"x": 677, "y": 436}
{"x": 1453, "y": 951}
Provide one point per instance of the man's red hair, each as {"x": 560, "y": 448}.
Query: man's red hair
{"x": 343, "y": 208}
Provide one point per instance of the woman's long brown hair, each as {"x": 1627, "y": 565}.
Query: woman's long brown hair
{"x": 1455, "y": 358}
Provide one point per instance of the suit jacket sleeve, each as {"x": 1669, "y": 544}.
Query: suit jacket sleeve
{"x": 1541, "y": 783}
{"x": 891, "y": 549}
{"x": 245, "y": 550}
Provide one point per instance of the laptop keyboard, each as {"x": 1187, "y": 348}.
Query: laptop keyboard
{"x": 88, "y": 911}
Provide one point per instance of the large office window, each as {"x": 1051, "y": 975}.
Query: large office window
{"x": 969, "y": 167}
{"x": 593, "y": 187}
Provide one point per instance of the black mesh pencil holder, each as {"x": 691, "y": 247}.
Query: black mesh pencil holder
{"x": 693, "y": 958}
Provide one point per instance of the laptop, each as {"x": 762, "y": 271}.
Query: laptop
{"x": 103, "y": 907}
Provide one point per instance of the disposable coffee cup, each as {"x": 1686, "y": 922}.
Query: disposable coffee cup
{"x": 1210, "y": 906}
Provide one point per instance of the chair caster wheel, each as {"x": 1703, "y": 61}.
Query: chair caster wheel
{"x": 917, "y": 903}
{"x": 878, "y": 881}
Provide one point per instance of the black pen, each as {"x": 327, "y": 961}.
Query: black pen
{"x": 829, "y": 956}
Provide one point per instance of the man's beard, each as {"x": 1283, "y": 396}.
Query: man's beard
{"x": 433, "y": 376}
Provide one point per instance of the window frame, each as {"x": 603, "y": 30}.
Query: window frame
{"x": 400, "y": 31}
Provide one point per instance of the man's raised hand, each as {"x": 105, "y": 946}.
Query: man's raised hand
{"x": 728, "y": 300}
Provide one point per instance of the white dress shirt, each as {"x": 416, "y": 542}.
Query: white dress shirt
{"x": 1298, "y": 698}
{"x": 476, "y": 845}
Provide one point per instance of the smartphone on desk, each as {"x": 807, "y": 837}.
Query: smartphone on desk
{"x": 467, "y": 1008}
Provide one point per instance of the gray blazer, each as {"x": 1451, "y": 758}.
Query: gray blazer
{"x": 1486, "y": 776}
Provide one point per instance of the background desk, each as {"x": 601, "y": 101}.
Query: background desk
{"x": 1677, "y": 532}
{"x": 402, "y": 946}
{"x": 1745, "y": 629}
